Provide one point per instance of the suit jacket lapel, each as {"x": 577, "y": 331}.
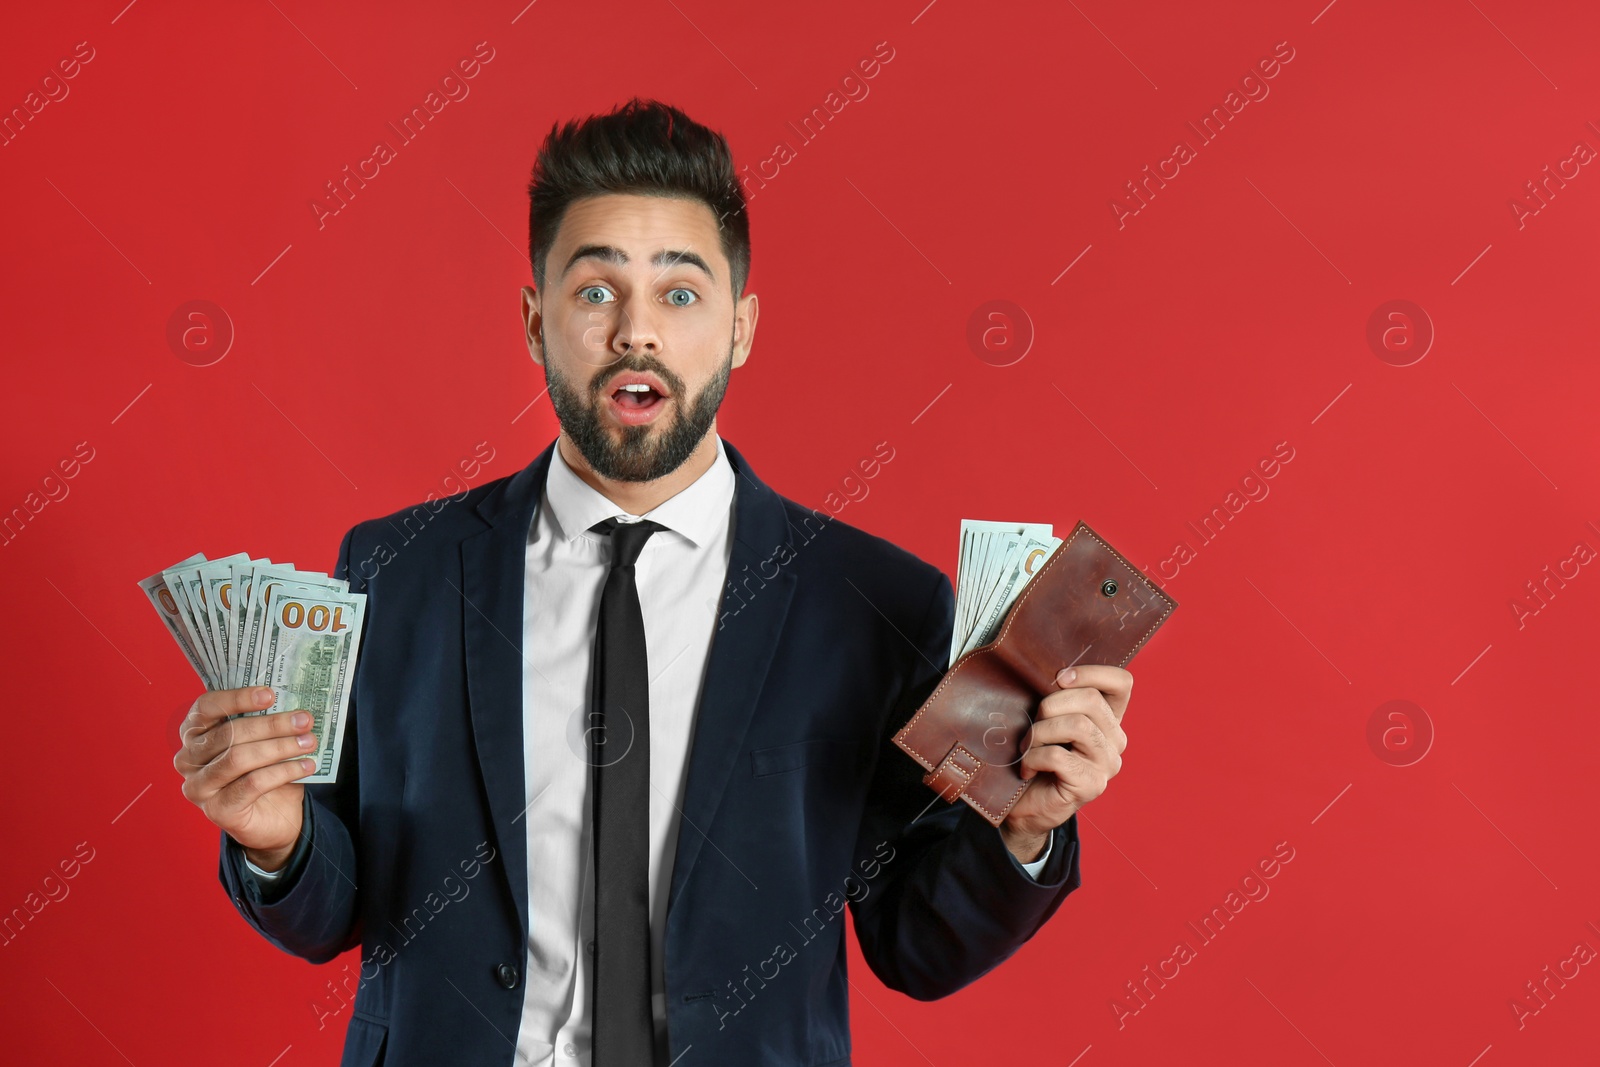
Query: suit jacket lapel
{"x": 751, "y": 617}
{"x": 750, "y": 620}
{"x": 493, "y": 562}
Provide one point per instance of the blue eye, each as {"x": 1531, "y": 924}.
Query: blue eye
{"x": 688, "y": 292}
{"x": 582, "y": 293}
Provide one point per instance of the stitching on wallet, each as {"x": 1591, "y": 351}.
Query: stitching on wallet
{"x": 1010, "y": 618}
{"x": 967, "y": 779}
{"x": 949, "y": 764}
{"x": 1165, "y": 599}
{"x": 958, "y": 750}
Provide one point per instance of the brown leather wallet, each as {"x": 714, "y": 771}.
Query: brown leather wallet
{"x": 1086, "y": 604}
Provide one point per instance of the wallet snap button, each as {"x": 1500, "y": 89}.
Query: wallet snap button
{"x": 1108, "y": 587}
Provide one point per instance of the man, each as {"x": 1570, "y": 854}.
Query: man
{"x": 618, "y": 753}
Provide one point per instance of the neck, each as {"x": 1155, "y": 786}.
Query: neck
{"x": 636, "y": 498}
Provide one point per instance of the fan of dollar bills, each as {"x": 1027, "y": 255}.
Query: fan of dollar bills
{"x": 243, "y": 622}
{"x": 997, "y": 559}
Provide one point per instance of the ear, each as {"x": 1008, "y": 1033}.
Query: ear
{"x": 744, "y": 327}
{"x": 532, "y": 321}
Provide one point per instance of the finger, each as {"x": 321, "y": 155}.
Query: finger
{"x": 1115, "y": 683}
{"x": 202, "y": 747}
{"x": 1065, "y": 729}
{"x": 215, "y": 706}
{"x": 1079, "y": 699}
{"x": 1083, "y": 701}
{"x": 241, "y": 793}
{"x": 1086, "y": 736}
{"x": 1079, "y": 777}
{"x": 242, "y": 760}
{"x": 1067, "y": 702}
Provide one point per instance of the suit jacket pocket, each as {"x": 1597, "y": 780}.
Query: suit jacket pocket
{"x": 363, "y": 1043}
{"x": 796, "y": 754}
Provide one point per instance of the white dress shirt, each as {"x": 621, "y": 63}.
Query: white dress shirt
{"x": 679, "y": 575}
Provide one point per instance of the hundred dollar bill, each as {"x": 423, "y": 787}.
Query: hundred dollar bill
{"x": 982, "y": 568}
{"x": 987, "y": 581}
{"x": 242, "y": 621}
{"x": 178, "y": 583}
{"x": 1022, "y": 563}
{"x": 216, "y": 588}
{"x": 264, "y": 582}
{"x": 193, "y": 584}
{"x": 166, "y": 605}
{"x": 239, "y": 625}
{"x": 1003, "y": 547}
{"x": 239, "y": 616}
{"x": 984, "y": 545}
{"x": 311, "y": 635}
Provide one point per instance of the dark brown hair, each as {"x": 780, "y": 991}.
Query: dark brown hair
{"x": 641, "y": 147}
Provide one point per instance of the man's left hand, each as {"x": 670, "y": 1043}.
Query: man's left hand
{"x": 1071, "y": 751}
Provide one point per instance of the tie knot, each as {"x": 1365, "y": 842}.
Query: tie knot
{"x": 627, "y": 538}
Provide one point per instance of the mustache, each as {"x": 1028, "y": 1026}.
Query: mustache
{"x": 641, "y": 365}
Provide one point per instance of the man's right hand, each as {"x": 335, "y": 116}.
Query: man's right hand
{"x": 234, "y": 770}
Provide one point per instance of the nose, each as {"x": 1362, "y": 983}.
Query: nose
{"x": 637, "y": 330}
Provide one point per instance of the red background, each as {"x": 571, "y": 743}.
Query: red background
{"x": 1229, "y": 314}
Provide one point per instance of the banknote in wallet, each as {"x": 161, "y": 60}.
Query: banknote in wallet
{"x": 1084, "y": 603}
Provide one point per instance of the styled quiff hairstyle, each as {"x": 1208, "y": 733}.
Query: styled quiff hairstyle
{"x": 642, "y": 147}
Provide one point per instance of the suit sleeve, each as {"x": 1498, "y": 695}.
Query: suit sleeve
{"x": 950, "y": 902}
{"x": 311, "y": 910}
{"x": 271, "y": 882}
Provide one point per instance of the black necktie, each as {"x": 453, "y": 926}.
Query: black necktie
{"x": 624, "y": 1028}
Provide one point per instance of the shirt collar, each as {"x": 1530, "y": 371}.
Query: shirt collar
{"x": 696, "y": 511}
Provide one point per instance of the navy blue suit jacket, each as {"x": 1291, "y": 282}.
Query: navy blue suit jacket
{"x": 798, "y": 803}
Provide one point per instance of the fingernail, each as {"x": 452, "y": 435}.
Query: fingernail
{"x": 263, "y": 696}
{"x": 300, "y": 720}
{"x": 309, "y": 764}
{"x": 1067, "y": 675}
{"x": 307, "y": 741}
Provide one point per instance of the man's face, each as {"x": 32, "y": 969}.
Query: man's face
{"x": 637, "y": 330}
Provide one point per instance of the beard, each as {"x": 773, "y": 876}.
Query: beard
{"x": 643, "y": 453}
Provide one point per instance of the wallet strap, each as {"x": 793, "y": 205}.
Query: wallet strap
{"x": 954, "y": 773}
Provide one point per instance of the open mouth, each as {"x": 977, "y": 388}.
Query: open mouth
{"x": 637, "y": 402}
{"x": 637, "y": 396}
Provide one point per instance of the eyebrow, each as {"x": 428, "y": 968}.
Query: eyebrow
{"x": 665, "y": 258}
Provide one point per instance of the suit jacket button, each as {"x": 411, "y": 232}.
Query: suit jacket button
{"x": 507, "y": 975}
